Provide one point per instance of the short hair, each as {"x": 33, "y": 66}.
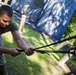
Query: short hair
{"x": 5, "y": 9}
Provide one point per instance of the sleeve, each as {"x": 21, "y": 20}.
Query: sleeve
{"x": 13, "y": 26}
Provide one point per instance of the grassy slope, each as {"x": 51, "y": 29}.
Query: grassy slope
{"x": 37, "y": 64}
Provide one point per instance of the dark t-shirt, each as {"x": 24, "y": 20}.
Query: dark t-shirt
{"x": 11, "y": 27}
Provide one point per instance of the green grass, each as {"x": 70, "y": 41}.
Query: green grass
{"x": 37, "y": 64}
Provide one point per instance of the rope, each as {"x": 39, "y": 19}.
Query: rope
{"x": 57, "y": 42}
{"x": 71, "y": 50}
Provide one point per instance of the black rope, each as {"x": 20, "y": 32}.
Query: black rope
{"x": 35, "y": 49}
{"x": 71, "y": 50}
{"x": 57, "y": 42}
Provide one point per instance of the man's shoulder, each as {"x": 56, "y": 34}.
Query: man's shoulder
{"x": 13, "y": 22}
{"x": 13, "y": 25}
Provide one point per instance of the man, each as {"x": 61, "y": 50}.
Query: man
{"x": 7, "y": 24}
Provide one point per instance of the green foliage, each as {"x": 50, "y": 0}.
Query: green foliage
{"x": 71, "y": 29}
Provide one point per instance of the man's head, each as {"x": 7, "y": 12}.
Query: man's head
{"x": 6, "y": 14}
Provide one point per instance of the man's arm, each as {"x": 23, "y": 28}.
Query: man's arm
{"x": 21, "y": 43}
{"x": 11, "y": 51}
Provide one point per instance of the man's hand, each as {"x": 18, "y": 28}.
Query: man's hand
{"x": 29, "y": 51}
{"x": 22, "y": 43}
{"x": 13, "y": 51}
